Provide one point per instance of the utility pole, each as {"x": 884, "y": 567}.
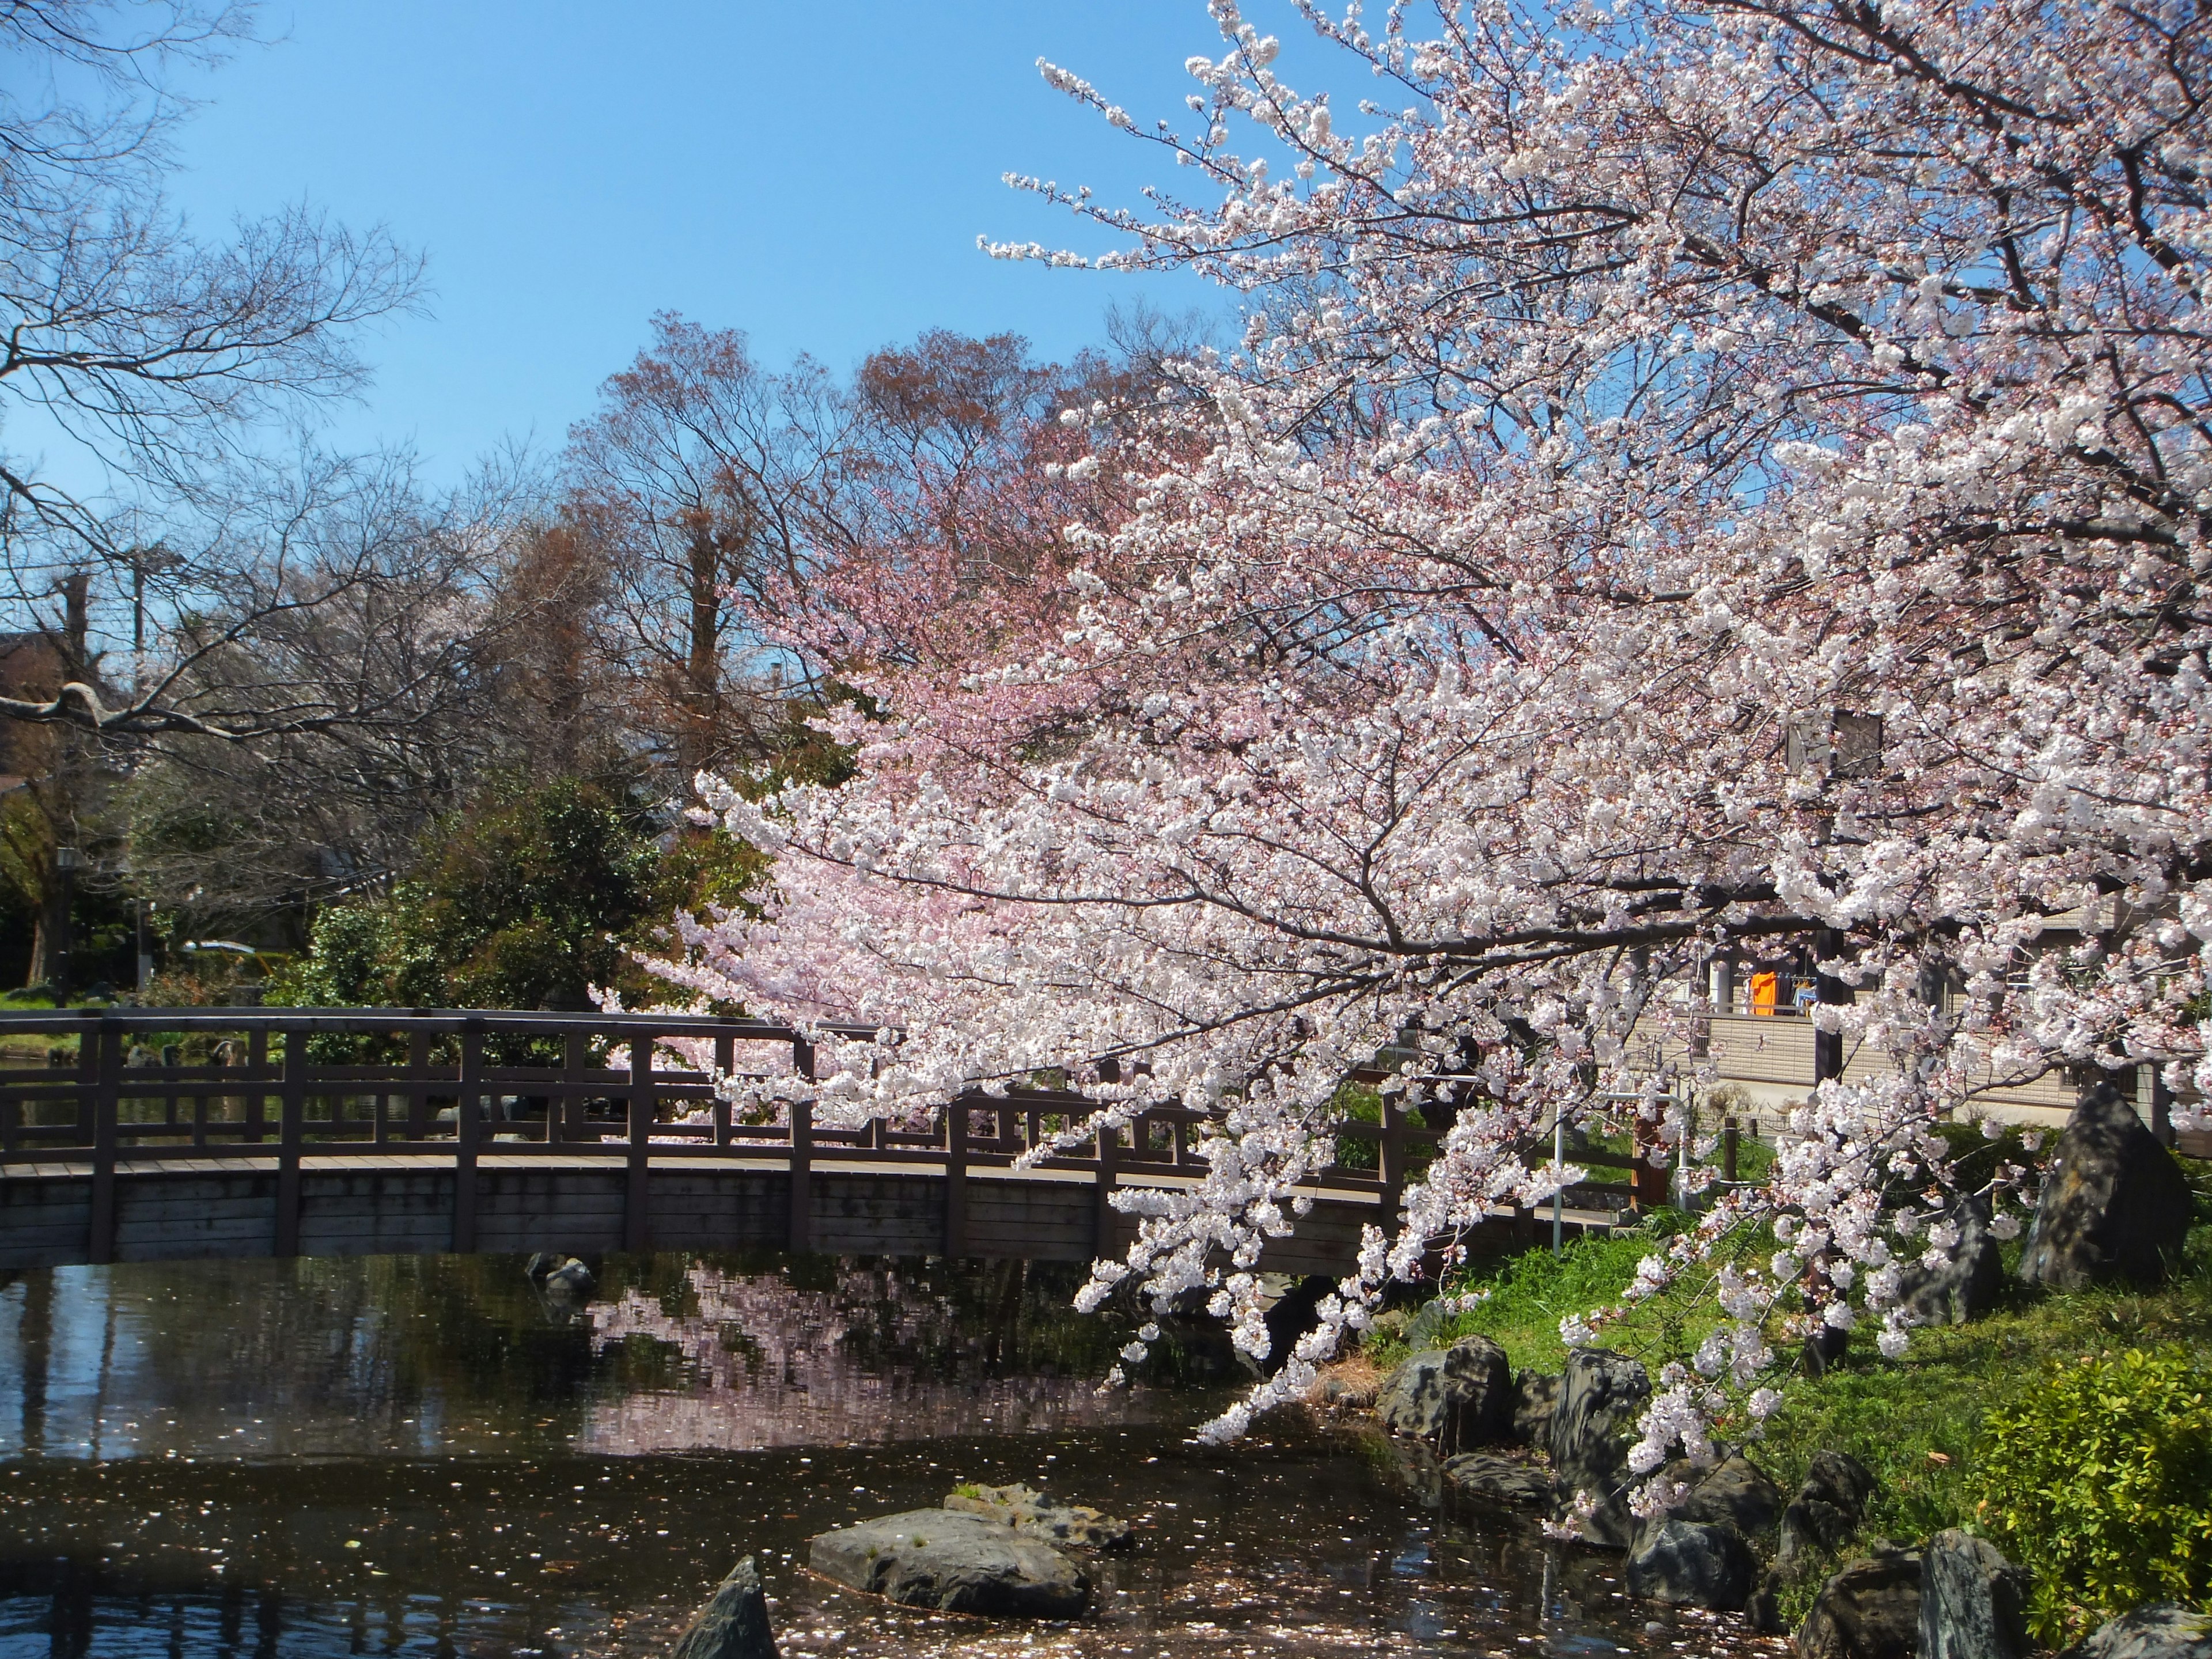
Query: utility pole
{"x": 68, "y": 860}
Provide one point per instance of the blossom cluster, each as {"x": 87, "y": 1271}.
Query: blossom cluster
{"x": 1695, "y": 484}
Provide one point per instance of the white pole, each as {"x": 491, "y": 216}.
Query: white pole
{"x": 1682, "y": 1160}
{"x": 1558, "y": 1163}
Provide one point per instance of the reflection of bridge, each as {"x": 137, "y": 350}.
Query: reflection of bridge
{"x": 132, "y": 1134}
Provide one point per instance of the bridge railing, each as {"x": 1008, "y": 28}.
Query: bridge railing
{"x": 104, "y": 1091}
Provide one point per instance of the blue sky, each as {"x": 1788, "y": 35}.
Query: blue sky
{"x": 816, "y": 175}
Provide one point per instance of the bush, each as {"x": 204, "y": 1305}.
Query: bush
{"x": 2099, "y": 1479}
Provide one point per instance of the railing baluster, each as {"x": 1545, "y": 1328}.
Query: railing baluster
{"x": 106, "y": 1048}
{"x": 291, "y": 1137}
{"x": 637, "y": 1231}
{"x": 468, "y": 1122}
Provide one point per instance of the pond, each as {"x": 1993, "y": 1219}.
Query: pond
{"x": 427, "y": 1457}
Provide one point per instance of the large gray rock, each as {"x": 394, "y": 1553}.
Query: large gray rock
{"x": 1450, "y": 1397}
{"x": 1536, "y": 1397}
{"x": 2166, "y": 1631}
{"x": 1870, "y": 1610}
{"x": 1966, "y": 1285}
{"x": 958, "y": 1563}
{"x": 2115, "y": 1205}
{"x": 1973, "y": 1602}
{"x": 1601, "y": 1395}
{"x": 1691, "y": 1564}
{"x": 733, "y": 1625}
{"x": 1737, "y": 1493}
{"x": 1026, "y": 1510}
{"x": 1483, "y": 1474}
{"x": 1827, "y": 1509}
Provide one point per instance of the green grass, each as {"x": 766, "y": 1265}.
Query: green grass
{"x": 1916, "y": 1422}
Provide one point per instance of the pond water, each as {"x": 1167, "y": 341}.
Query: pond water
{"x": 426, "y": 1456}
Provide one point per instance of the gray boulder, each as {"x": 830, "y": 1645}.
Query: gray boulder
{"x": 2166, "y": 1631}
{"x": 1973, "y": 1602}
{"x": 1870, "y": 1610}
{"x": 1451, "y": 1397}
{"x": 1737, "y": 1493}
{"x": 569, "y": 1279}
{"x": 1536, "y": 1397}
{"x": 1693, "y": 1564}
{"x": 1482, "y": 1475}
{"x": 2115, "y": 1205}
{"x": 1601, "y": 1396}
{"x": 1827, "y": 1509}
{"x": 1025, "y": 1510}
{"x": 734, "y": 1624}
{"x": 1966, "y": 1287}
{"x": 957, "y": 1563}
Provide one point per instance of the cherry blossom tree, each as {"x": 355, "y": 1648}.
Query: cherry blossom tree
{"x": 1692, "y": 482}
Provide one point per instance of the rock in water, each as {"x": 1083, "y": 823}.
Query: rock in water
{"x": 1966, "y": 1287}
{"x": 958, "y": 1563}
{"x": 1973, "y": 1602}
{"x": 1483, "y": 1474}
{"x": 1829, "y": 1507}
{"x": 2115, "y": 1205}
{"x": 2166, "y": 1630}
{"x": 1020, "y": 1507}
{"x": 1738, "y": 1494}
{"x": 571, "y": 1278}
{"x": 734, "y": 1624}
{"x": 1451, "y": 1397}
{"x": 1536, "y": 1397}
{"x": 1870, "y": 1610}
{"x": 1693, "y": 1564}
{"x": 1601, "y": 1396}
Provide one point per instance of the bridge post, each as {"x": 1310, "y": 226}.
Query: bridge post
{"x": 468, "y": 1127}
{"x": 106, "y": 1132}
{"x": 802, "y": 1152}
{"x": 1392, "y": 1159}
{"x": 637, "y": 1231}
{"x": 955, "y": 1179}
{"x": 256, "y": 1104}
{"x": 291, "y": 1135}
{"x": 1109, "y": 1148}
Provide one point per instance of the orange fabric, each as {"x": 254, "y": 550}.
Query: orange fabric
{"x": 1764, "y": 989}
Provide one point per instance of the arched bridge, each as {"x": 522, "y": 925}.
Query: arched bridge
{"x": 142, "y": 1135}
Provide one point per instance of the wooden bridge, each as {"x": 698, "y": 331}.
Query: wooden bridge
{"x": 142, "y": 1135}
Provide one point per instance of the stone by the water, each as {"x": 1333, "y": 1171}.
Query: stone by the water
{"x": 956, "y": 1563}
{"x": 1484, "y": 1474}
{"x": 1870, "y": 1610}
{"x": 1601, "y": 1395}
{"x": 2165, "y": 1630}
{"x": 1966, "y": 1285}
{"x": 1536, "y": 1397}
{"x": 734, "y": 1624}
{"x": 571, "y": 1278}
{"x": 2115, "y": 1206}
{"x": 1026, "y": 1511}
{"x": 1829, "y": 1507}
{"x": 1692, "y": 1564}
{"x": 1973, "y": 1602}
{"x": 1452, "y": 1397}
{"x": 1737, "y": 1493}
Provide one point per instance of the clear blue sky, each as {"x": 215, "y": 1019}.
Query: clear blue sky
{"x": 816, "y": 175}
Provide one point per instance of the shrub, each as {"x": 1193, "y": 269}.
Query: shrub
{"x": 2099, "y": 1479}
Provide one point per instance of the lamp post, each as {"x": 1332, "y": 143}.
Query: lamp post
{"x": 68, "y": 860}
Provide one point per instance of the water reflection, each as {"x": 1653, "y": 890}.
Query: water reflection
{"x": 423, "y": 1456}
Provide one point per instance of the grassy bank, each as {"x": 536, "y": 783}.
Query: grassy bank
{"x": 1921, "y": 1423}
